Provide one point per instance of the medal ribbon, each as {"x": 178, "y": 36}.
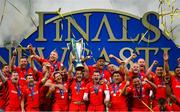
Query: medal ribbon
{"x": 18, "y": 90}
{"x": 139, "y": 94}
{"x": 78, "y": 85}
{"x": 96, "y": 88}
{"x": 102, "y": 75}
{"x": 32, "y": 90}
{"x": 55, "y": 66}
{"x": 115, "y": 88}
{"x": 26, "y": 73}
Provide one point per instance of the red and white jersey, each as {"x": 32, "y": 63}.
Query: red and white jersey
{"x": 161, "y": 88}
{"x": 140, "y": 95}
{"x": 176, "y": 91}
{"x": 31, "y": 96}
{"x": 54, "y": 65}
{"x": 96, "y": 93}
{"x": 61, "y": 96}
{"x": 77, "y": 91}
{"x": 14, "y": 96}
{"x": 104, "y": 73}
{"x": 3, "y": 96}
{"x": 23, "y": 73}
{"x": 117, "y": 99}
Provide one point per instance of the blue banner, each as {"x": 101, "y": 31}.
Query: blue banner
{"x": 104, "y": 32}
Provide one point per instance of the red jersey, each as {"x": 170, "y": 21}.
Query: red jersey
{"x": 139, "y": 96}
{"x": 176, "y": 91}
{"x": 141, "y": 76}
{"x": 22, "y": 74}
{"x": 161, "y": 88}
{"x": 45, "y": 102}
{"x": 77, "y": 91}
{"x": 117, "y": 99}
{"x": 3, "y": 97}
{"x": 54, "y": 65}
{"x": 61, "y": 97}
{"x": 96, "y": 93}
{"x": 104, "y": 73}
{"x": 96, "y": 96}
{"x": 31, "y": 95}
{"x": 14, "y": 96}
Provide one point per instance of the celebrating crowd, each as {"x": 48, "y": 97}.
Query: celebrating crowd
{"x": 97, "y": 87}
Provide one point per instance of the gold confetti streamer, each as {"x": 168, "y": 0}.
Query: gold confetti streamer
{"x": 143, "y": 36}
{"x": 164, "y": 13}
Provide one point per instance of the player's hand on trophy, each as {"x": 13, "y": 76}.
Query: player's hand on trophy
{"x": 14, "y": 52}
{"x": 73, "y": 58}
{"x": 84, "y": 59}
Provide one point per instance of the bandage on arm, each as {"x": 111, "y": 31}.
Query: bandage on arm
{"x": 85, "y": 97}
{"x": 107, "y": 95}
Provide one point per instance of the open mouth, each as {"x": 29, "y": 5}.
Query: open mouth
{"x": 79, "y": 77}
{"x": 15, "y": 79}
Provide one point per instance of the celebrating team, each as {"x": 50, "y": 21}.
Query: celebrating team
{"x": 98, "y": 87}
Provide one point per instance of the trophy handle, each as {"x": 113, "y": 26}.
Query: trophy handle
{"x": 83, "y": 52}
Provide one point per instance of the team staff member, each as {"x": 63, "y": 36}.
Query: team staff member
{"x": 98, "y": 94}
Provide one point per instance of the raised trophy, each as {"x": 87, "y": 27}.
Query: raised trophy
{"x": 77, "y": 48}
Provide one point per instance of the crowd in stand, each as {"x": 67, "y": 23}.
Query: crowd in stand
{"x": 97, "y": 87}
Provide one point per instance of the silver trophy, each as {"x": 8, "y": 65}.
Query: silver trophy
{"x": 77, "y": 48}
